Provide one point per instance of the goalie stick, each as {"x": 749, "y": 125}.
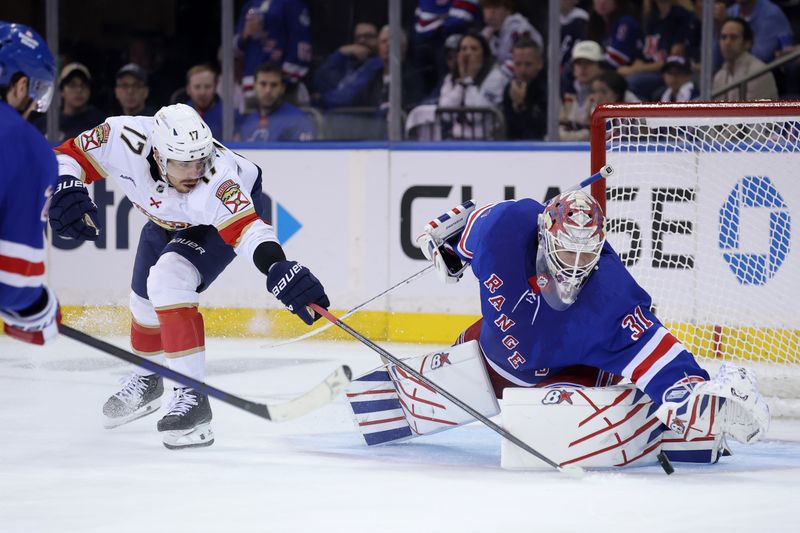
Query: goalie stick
{"x": 313, "y": 332}
{"x": 570, "y": 470}
{"x": 315, "y": 398}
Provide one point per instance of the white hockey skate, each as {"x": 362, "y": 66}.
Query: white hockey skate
{"x": 187, "y": 423}
{"x": 139, "y": 396}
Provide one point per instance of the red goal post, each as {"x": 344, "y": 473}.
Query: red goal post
{"x": 704, "y": 210}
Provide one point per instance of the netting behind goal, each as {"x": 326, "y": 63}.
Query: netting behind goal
{"x": 704, "y": 209}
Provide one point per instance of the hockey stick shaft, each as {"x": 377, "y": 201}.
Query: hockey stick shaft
{"x": 319, "y": 330}
{"x": 399, "y": 362}
{"x": 605, "y": 172}
{"x": 291, "y": 409}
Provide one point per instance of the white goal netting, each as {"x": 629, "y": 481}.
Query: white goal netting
{"x": 705, "y": 212}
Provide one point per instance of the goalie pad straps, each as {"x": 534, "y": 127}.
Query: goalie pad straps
{"x": 390, "y": 405}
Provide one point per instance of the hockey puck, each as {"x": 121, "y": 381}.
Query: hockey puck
{"x": 663, "y": 460}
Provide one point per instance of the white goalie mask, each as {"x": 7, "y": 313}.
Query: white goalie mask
{"x": 571, "y": 237}
{"x": 181, "y": 135}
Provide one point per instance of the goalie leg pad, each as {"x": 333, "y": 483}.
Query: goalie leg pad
{"x": 391, "y": 405}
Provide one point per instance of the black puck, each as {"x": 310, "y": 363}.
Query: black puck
{"x": 663, "y": 460}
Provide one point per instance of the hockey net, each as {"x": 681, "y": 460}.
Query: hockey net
{"x": 704, "y": 210}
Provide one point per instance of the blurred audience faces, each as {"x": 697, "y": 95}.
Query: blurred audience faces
{"x": 201, "y": 84}
{"x": 131, "y": 90}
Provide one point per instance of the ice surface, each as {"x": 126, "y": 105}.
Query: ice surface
{"x": 60, "y": 471}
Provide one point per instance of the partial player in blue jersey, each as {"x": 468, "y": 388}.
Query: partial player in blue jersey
{"x": 560, "y": 310}
{"x": 28, "y": 175}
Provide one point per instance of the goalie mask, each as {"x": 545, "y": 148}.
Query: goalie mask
{"x": 179, "y": 134}
{"x": 571, "y": 237}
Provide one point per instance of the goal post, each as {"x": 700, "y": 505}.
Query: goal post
{"x": 704, "y": 210}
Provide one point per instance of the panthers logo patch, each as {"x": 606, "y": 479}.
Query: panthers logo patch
{"x": 231, "y": 196}
{"x": 95, "y": 137}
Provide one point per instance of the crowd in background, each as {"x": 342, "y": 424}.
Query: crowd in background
{"x": 471, "y": 69}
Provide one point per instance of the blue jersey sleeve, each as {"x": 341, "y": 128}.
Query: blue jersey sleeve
{"x": 628, "y": 339}
{"x": 28, "y": 176}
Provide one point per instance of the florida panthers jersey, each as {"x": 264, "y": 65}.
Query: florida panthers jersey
{"x": 27, "y": 179}
{"x": 121, "y": 148}
{"x": 610, "y": 326}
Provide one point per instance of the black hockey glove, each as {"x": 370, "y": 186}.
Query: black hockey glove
{"x": 296, "y": 287}
{"x": 72, "y": 213}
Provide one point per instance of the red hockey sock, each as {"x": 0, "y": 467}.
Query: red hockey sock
{"x": 145, "y": 340}
{"x": 182, "y": 331}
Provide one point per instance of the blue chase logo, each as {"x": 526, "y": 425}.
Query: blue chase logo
{"x": 754, "y": 268}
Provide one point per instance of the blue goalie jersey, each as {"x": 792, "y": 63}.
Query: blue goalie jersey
{"x": 610, "y": 326}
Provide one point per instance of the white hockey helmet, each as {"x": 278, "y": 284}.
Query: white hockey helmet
{"x": 181, "y": 135}
{"x": 571, "y": 237}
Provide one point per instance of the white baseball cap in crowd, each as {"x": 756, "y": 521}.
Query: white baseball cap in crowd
{"x": 588, "y": 50}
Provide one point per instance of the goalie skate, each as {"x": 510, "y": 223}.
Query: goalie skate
{"x": 139, "y": 396}
{"x": 187, "y": 423}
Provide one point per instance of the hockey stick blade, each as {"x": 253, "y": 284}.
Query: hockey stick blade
{"x": 317, "y": 397}
{"x": 320, "y": 329}
{"x": 572, "y": 470}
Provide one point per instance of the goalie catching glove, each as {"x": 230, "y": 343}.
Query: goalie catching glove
{"x": 439, "y": 238}
{"x": 72, "y": 213}
{"x": 730, "y": 404}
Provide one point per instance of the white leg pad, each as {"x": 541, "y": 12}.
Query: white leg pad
{"x": 173, "y": 280}
{"x": 592, "y": 427}
{"x": 390, "y": 405}
{"x": 142, "y": 311}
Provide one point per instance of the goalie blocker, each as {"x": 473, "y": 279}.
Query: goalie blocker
{"x": 612, "y": 426}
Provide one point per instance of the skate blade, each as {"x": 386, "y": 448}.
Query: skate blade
{"x": 147, "y": 409}
{"x": 197, "y": 437}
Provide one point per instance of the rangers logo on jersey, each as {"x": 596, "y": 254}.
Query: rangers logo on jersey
{"x": 93, "y": 138}
{"x": 232, "y": 197}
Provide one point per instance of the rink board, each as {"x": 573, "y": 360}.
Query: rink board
{"x": 351, "y": 215}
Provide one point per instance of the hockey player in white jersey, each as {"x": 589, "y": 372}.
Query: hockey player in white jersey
{"x": 205, "y": 206}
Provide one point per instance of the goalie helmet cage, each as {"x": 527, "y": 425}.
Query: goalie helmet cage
{"x": 704, "y": 210}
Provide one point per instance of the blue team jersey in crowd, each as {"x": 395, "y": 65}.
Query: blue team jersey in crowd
{"x": 287, "y": 123}
{"x": 28, "y": 177}
{"x": 624, "y": 44}
{"x": 663, "y": 34}
{"x": 287, "y": 37}
{"x": 610, "y": 326}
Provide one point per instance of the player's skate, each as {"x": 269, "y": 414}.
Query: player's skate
{"x": 139, "y": 396}
{"x": 187, "y": 423}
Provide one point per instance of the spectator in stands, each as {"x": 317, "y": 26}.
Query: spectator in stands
{"x": 411, "y": 88}
{"x": 677, "y": 73}
{"x": 342, "y": 65}
{"x": 503, "y": 28}
{"x": 276, "y": 31}
{"x": 201, "y": 84}
{"x": 476, "y": 82}
{"x": 275, "y": 119}
{"x": 668, "y": 33}
{"x": 368, "y": 86}
{"x": 577, "y": 101}
{"x": 574, "y": 28}
{"x": 525, "y": 96}
{"x": 435, "y": 22}
{"x": 610, "y": 87}
{"x": 77, "y": 114}
{"x": 611, "y": 25}
{"x": 735, "y": 40}
{"x": 772, "y": 33}
{"x": 131, "y": 91}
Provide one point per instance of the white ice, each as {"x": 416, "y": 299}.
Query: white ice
{"x": 60, "y": 471}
